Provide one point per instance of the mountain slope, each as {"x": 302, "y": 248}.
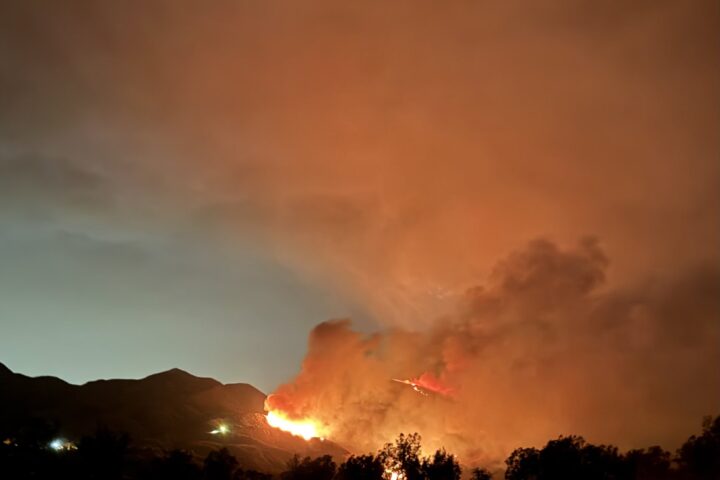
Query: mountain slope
{"x": 172, "y": 409}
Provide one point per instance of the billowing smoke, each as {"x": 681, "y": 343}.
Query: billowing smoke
{"x": 540, "y": 349}
{"x": 388, "y": 153}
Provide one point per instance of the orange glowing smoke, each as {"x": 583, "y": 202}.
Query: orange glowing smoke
{"x": 305, "y": 428}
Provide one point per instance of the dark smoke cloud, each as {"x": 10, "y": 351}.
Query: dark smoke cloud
{"x": 391, "y": 152}
{"x": 541, "y": 349}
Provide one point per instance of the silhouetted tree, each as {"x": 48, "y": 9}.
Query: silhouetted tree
{"x": 363, "y": 467}
{"x": 523, "y": 464}
{"x": 600, "y": 462}
{"x": 25, "y": 454}
{"x": 175, "y": 465}
{"x": 651, "y": 464}
{"x": 699, "y": 457}
{"x": 561, "y": 459}
{"x": 241, "y": 474}
{"x": 481, "y": 474}
{"x": 403, "y": 456}
{"x": 103, "y": 455}
{"x": 441, "y": 466}
{"x": 219, "y": 465}
{"x": 567, "y": 458}
{"x": 321, "y": 468}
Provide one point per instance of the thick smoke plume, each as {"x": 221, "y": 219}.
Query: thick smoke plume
{"x": 388, "y": 153}
{"x": 541, "y": 349}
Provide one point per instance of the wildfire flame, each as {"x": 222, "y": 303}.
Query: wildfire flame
{"x": 427, "y": 383}
{"x": 305, "y": 428}
{"x": 413, "y": 385}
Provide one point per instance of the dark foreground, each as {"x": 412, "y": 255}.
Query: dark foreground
{"x": 33, "y": 453}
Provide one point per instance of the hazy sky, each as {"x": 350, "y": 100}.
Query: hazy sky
{"x": 196, "y": 184}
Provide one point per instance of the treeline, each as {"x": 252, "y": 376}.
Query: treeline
{"x": 110, "y": 456}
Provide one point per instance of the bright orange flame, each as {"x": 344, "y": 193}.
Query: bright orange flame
{"x": 306, "y": 428}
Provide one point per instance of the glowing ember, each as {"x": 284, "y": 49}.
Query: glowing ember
{"x": 391, "y": 475}
{"x": 412, "y": 384}
{"x": 427, "y": 383}
{"x": 305, "y": 428}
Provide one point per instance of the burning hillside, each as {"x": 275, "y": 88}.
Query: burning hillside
{"x": 542, "y": 338}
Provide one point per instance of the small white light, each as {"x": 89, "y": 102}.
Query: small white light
{"x": 222, "y": 429}
{"x": 57, "y": 444}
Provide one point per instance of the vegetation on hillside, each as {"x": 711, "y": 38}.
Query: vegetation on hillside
{"x": 33, "y": 453}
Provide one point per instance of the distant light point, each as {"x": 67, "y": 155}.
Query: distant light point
{"x": 60, "y": 444}
{"x": 222, "y": 429}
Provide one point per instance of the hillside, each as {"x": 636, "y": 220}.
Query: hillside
{"x": 168, "y": 410}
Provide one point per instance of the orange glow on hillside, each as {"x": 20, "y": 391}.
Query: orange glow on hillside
{"x": 305, "y": 428}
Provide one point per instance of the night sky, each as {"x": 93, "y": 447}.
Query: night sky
{"x": 197, "y": 184}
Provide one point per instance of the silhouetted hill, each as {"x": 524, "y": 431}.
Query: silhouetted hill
{"x": 4, "y": 370}
{"x": 167, "y": 410}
